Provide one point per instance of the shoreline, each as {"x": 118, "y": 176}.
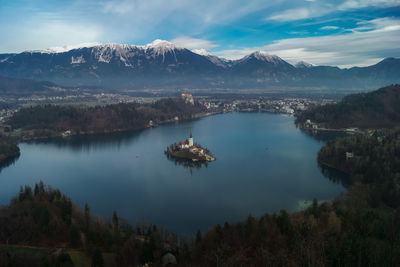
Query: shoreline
{"x": 324, "y": 164}
{"x": 80, "y": 133}
{"x": 6, "y": 159}
{"x": 195, "y": 158}
{"x": 358, "y": 131}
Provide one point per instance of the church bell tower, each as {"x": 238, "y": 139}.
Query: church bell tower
{"x": 190, "y": 139}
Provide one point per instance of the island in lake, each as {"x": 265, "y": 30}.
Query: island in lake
{"x": 190, "y": 151}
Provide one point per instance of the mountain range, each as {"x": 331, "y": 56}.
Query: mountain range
{"x": 162, "y": 64}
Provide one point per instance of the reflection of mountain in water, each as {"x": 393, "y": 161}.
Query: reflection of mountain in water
{"x": 335, "y": 176}
{"x": 7, "y": 162}
{"x": 89, "y": 142}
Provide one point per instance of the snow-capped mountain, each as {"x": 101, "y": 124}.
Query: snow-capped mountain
{"x": 219, "y": 61}
{"x": 303, "y": 64}
{"x": 163, "y": 64}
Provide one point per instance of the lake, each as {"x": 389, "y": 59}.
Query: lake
{"x": 264, "y": 164}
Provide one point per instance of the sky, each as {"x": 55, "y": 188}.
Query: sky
{"x": 342, "y": 33}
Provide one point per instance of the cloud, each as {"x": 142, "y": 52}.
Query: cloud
{"x": 204, "y": 12}
{"x": 329, "y": 28}
{"x": 118, "y": 7}
{"x": 232, "y": 22}
{"x": 299, "y": 32}
{"x": 322, "y": 8}
{"x": 358, "y": 48}
{"x": 381, "y": 24}
{"x": 193, "y": 43}
{"x": 37, "y": 36}
{"x": 356, "y": 4}
{"x": 293, "y": 14}
{"x": 64, "y": 48}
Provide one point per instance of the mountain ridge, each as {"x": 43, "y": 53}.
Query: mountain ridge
{"x": 162, "y": 64}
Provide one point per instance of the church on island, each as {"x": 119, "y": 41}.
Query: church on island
{"x": 188, "y": 150}
{"x": 188, "y": 144}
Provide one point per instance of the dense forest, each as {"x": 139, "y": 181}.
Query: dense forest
{"x": 54, "y": 120}
{"x": 377, "y": 109}
{"x": 371, "y": 160}
{"x": 359, "y": 228}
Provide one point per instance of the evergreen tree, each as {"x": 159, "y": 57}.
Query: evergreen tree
{"x": 115, "y": 221}
{"x": 87, "y": 217}
{"x": 198, "y": 237}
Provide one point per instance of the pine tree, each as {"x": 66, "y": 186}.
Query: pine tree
{"x": 115, "y": 221}
{"x": 87, "y": 217}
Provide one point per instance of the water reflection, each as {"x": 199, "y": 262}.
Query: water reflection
{"x": 91, "y": 142}
{"x": 189, "y": 164}
{"x": 9, "y": 161}
{"x": 335, "y": 175}
{"x": 324, "y": 136}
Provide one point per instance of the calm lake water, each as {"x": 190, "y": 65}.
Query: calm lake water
{"x": 264, "y": 164}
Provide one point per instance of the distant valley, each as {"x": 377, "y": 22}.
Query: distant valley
{"x": 164, "y": 65}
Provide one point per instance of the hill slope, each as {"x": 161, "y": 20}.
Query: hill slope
{"x": 377, "y": 109}
{"x": 17, "y": 86}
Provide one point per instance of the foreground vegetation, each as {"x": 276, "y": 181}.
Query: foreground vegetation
{"x": 377, "y": 109}
{"x": 45, "y": 121}
{"x": 43, "y": 227}
{"x": 359, "y": 228}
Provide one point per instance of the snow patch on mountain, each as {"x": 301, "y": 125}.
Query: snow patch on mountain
{"x": 201, "y": 52}
{"x": 264, "y": 56}
{"x": 78, "y": 60}
{"x": 160, "y": 45}
{"x": 219, "y": 61}
{"x": 105, "y": 53}
{"x": 160, "y": 48}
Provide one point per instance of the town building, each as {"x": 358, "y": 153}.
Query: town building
{"x": 188, "y": 98}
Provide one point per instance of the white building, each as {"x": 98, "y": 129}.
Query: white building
{"x": 349, "y": 155}
{"x": 190, "y": 140}
{"x": 188, "y": 98}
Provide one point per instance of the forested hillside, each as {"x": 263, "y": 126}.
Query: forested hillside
{"x": 15, "y": 86}
{"x": 377, "y": 109}
{"x": 43, "y": 227}
{"x": 370, "y": 160}
{"x": 53, "y": 120}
